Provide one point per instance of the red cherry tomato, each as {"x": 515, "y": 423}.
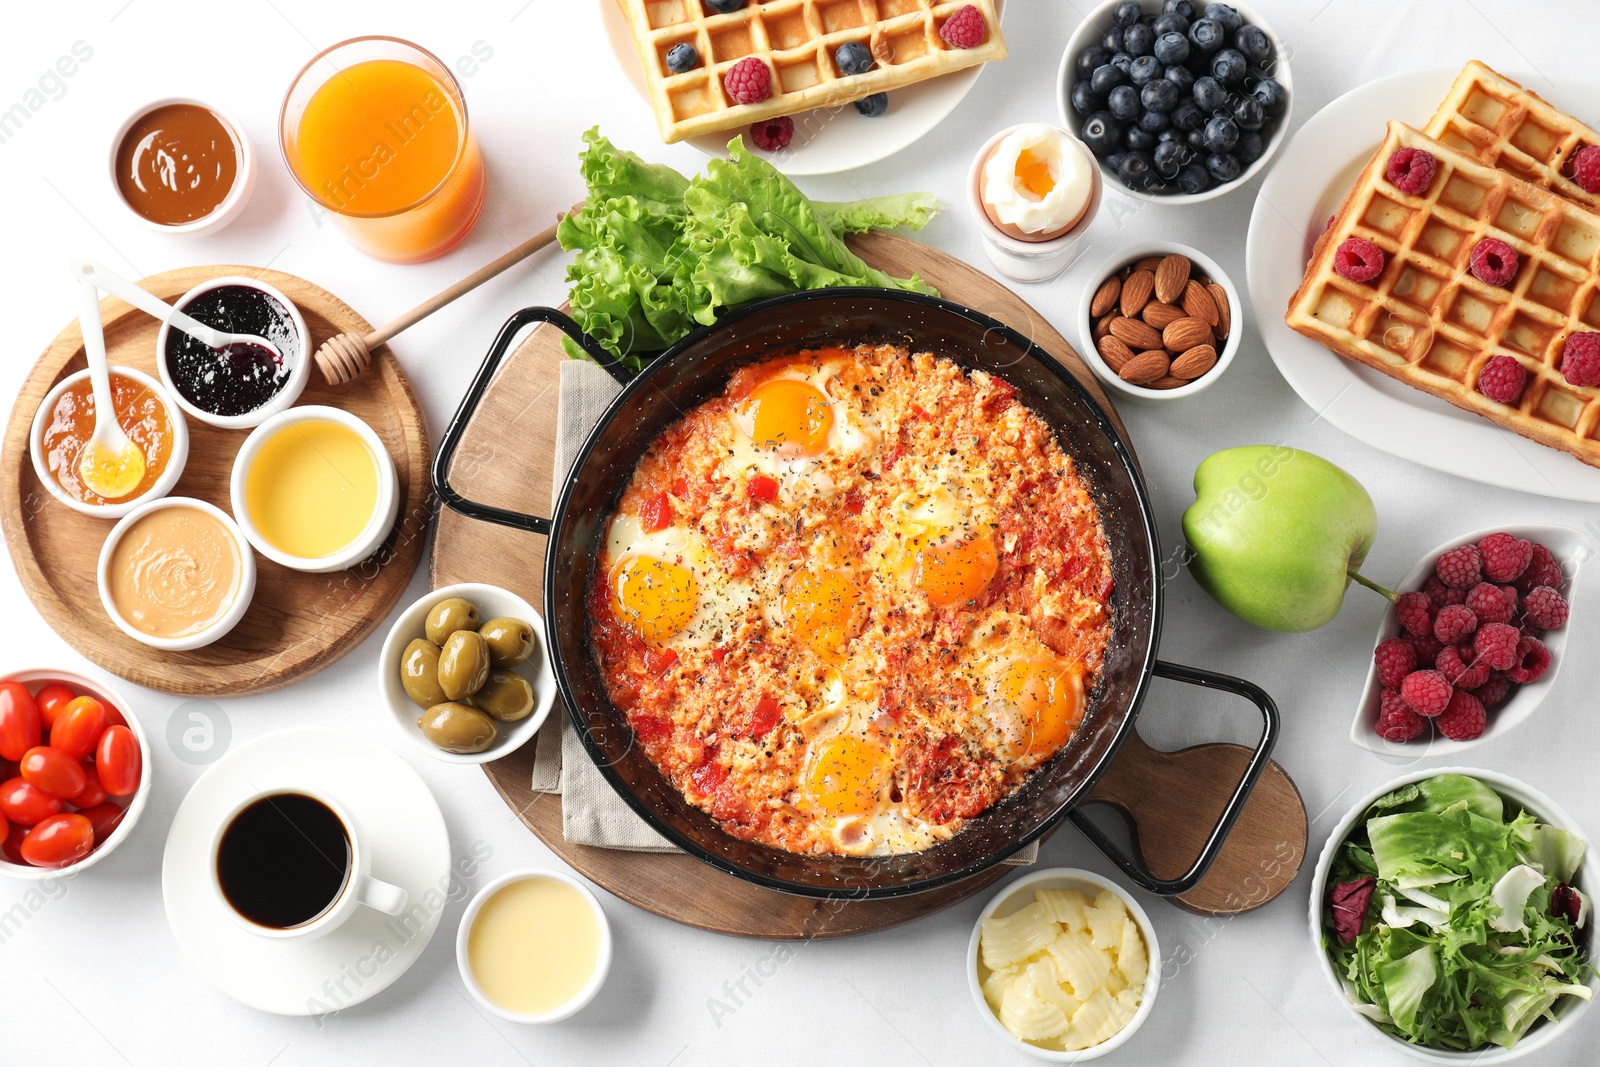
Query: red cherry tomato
{"x": 54, "y": 772}
{"x": 59, "y": 841}
{"x": 119, "y": 761}
{"x": 25, "y": 803}
{"x": 12, "y": 845}
{"x": 104, "y": 818}
{"x": 92, "y": 792}
{"x": 113, "y": 716}
{"x": 78, "y": 727}
{"x": 19, "y": 720}
{"x": 51, "y": 699}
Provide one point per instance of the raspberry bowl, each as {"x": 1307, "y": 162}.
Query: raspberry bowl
{"x": 1570, "y": 548}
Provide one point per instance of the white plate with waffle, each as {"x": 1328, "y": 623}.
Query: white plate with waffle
{"x": 827, "y": 140}
{"x": 1313, "y": 175}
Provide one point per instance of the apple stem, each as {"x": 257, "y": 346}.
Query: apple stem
{"x": 1362, "y": 579}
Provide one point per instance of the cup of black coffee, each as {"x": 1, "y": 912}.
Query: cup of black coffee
{"x": 290, "y": 863}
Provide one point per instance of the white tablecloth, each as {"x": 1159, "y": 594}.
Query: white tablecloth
{"x": 95, "y": 976}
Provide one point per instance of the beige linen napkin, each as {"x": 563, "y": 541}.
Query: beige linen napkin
{"x": 591, "y": 811}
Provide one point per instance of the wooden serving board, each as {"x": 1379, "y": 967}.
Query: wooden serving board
{"x": 297, "y": 623}
{"x": 506, "y": 458}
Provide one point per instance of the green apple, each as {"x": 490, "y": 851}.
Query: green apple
{"x": 1276, "y": 535}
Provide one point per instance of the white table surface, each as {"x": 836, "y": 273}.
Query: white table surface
{"x": 93, "y": 974}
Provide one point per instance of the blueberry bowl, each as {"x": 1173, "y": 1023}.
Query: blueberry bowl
{"x": 1176, "y": 109}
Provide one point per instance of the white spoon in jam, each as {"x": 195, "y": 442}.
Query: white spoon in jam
{"x": 109, "y": 463}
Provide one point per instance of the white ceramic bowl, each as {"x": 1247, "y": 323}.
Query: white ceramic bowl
{"x": 241, "y": 604}
{"x": 299, "y": 370}
{"x": 1089, "y": 32}
{"x": 163, "y": 485}
{"x": 1569, "y": 547}
{"x": 244, "y": 177}
{"x": 1019, "y": 894}
{"x": 36, "y": 680}
{"x": 1028, "y": 261}
{"x": 1202, "y": 264}
{"x": 493, "y": 602}
{"x": 378, "y": 526}
{"x": 602, "y": 964}
{"x": 1567, "y": 1008}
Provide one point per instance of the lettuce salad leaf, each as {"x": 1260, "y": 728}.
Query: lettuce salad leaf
{"x": 1459, "y": 947}
{"x": 659, "y": 255}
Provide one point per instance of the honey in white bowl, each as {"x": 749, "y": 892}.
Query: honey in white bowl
{"x": 312, "y": 488}
{"x": 534, "y": 945}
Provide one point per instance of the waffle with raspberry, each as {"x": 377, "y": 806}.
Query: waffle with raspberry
{"x": 1427, "y": 320}
{"x": 798, "y": 41}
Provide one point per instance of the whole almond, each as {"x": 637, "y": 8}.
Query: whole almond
{"x": 1115, "y": 353}
{"x": 1103, "y": 327}
{"x": 1184, "y": 334}
{"x": 1195, "y": 362}
{"x": 1169, "y": 382}
{"x": 1160, "y": 315}
{"x": 1105, "y": 297}
{"x": 1144, "y": 368}
{"x": 1171, "y": 278}
{"x": 1136, "y": 292}
{"x": 1135, "y": 334}
{"x": 1198, "y": 303}
{"x": 1149, "y": 263}
{"x": 1224, "y": 314}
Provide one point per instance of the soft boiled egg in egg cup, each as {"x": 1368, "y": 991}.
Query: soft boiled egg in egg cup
{"x": 1033, "y": 190}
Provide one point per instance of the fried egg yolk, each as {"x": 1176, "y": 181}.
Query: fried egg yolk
{"x": 792, "y": 416}
{"x": 820, "y": 609}
{"x": 951, "y": 572}
{"x": 653, "y": 598}
{"x": 1046, "y": 695}
{"x": 845, "y": 776}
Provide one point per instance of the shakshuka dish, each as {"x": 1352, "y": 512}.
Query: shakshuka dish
{"x": 852, "y": 601}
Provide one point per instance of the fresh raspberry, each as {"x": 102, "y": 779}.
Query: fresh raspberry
{"x": 1460, "y": 568}
{"x": 964, "y": 29}
{"x": 1493, "y": 262}
{"x": 1395, "y": 660}
{"x": 1502, "y": 379}
{"x": 1411, "y": 170}
{"x": 772, "y": 135}
{"x": 1454, "y": 623}
{"x": 1496, "y": 645}
{"x": 1533, "y": 659}
{"x": 1491, "y": 603}
{"x": 1396, "y": 720}
{"x": 1580, "y": 359}
{"x": 1545, "y": 608}
{"x": 1586, "y": 168}
{"x": 1426, "y": 691}
{"x": 1463, "y": 719}
{"x": 1494, "y": 691}
{"x": 1504, "y": 556}
{"x": 1358, "y": 260}
{"x": 1414, "y": 613}
{"x": 1425, "y": 645}
{"x": 748, "y": 81}
{"x": 1458, "y": 664}
{"x": 1441, "y": 595}
{"x": 1545, "y": 569}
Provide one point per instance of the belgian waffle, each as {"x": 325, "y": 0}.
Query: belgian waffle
{"x": 1496, "y": 121}
{"x": 1428, "y": 322}
{"x": 797, "y": 39}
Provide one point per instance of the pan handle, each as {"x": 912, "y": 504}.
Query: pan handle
{"x": 469, "y": 405}
{"x": 1241, "y": 793}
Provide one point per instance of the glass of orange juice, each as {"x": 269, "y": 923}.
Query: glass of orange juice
{"x": 375, "y": 130}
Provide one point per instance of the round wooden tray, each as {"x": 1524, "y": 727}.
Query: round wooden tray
{"x": 506, "y": 458}
{"x": 298, "y": 623}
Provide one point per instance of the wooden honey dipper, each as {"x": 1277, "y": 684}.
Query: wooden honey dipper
{"x": 344, "y": 356}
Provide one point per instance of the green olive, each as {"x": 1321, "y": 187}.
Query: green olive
{"x": 463, "y": 664}
{"x": 457, "y": 728}
{"x": 506, "y": 696}
{"x": 419, "y": 673}
{"x": 510, "y": 641}
{"x": 451, "y": 615}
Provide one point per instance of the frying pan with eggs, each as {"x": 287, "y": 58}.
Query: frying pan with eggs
{"x": 696, "y": 369}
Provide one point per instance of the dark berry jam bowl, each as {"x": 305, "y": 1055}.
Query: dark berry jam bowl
{"x": 1274, "y": 128}
{"x": 241, "y": 389}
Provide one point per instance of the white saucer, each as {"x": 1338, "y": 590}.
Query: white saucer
{"x": 410, "y": 848}
{"x": 1306, "y": 186}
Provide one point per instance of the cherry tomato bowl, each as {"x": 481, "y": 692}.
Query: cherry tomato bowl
{"x": 128, "y": 766}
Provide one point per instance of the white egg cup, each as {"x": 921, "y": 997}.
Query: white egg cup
{"x": 1029, "y": 261}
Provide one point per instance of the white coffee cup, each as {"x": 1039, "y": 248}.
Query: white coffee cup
{"x": 359, "y": 888}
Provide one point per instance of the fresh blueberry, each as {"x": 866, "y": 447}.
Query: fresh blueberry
{"x": 1124, "y": 103}
{"x": 1084, "y": 99}
{"x": 1252, "y": 41}
{"x": 682, "y": 57}
{"x": 1172, "y": 47}
{"x": 1102, "y": 133}
{"x": 1196, "y": 139}
{"x": 1171, "y": 133}
{"x": 722, "y": 7}
{"x": 853, "y": 57}
{"x": 1178, "y": 7}
{"x": 1138, "y": 39}
{"x": 1090, "y": 58}
{"x": 1206, "y": 35}
{"x": 1127, "y": 13}
{"x": 1160, "y": 96}
{"x": 1112, "y": 39}
{"x": 1170, "y": 23}
{"x": 1230, "y": 19}
{"x": 1229, "y": 66}
{"x": 1248, "y": 113}
{"x": 1194, "y": 178}
{"x": 1223, "y": 166}
{"x": 1122, "y": 61}
{"x": 1114, "y": 161}
{"x": 1145, "y": 69}
{"x": 1138, "y": 171}
{"x": 1182, "y": 77}
{"x": 1274, "y": 98}
{"x": 1209, "y": 94}
{"x": 1154, "y": 121}
{"x": 1249, "y": 148}
{"x": 1221, "y": 134}
{"x": 1106, "y": 78}
{"x": 874, "y": 105}
{"x": 1188, "y": 116}
{"x": 1169, "y": 157}
{"x": 1138, "y": 139}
